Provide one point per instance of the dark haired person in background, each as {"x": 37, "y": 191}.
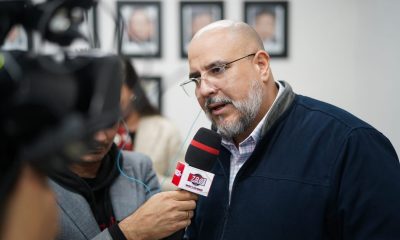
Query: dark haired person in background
{"x": 146, "y": 131}
{"x": 291, "y": 167}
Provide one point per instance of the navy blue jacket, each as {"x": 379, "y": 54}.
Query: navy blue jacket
{"x": 317, "y": 173}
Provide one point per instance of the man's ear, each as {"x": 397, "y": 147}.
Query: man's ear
{"x": 262, "y": 60}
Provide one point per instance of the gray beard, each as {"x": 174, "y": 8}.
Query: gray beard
{"x": 247, "y": 108}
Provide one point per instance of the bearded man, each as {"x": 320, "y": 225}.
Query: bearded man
{"x": 291, "y": 167}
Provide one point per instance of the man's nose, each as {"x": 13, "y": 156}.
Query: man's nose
{"x": 206, "y": 88}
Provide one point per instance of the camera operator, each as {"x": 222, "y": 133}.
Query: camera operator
{"x": 52, "y": 103}
{"x": 95, "y": 200}
{"x": 99, "y": 200}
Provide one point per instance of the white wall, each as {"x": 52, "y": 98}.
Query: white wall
{"x": 377, "y": 66}
{"x": 345, "y": 52}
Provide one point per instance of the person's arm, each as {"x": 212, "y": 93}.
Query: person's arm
{"x": 162, "y": 213}
{"x": 368, "y": 192}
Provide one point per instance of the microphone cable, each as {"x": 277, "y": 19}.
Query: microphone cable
{"x": 132, "y": 179}
{"x": 184, "y": 142}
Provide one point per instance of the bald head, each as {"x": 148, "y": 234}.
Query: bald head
{"x": 241, "y": 34}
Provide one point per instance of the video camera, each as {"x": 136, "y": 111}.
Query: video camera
{"x": 55, "y": 20}
{"x": 51, "y": 106}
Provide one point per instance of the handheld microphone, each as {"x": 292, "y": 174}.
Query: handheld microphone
{"x": 194, "y": 175}
{"x": 204, "y": 149}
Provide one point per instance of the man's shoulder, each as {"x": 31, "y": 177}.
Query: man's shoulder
{"x": 325, "y": 111}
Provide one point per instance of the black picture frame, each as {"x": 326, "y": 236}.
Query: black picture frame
{"x": 193, "y": 16}
{"x": 153, "y": 88}
{"x": 17, "y": 39}
{"x": 140, "y": 39}
{"x": 270, "y": 20}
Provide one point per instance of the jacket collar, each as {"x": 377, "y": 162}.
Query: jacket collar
{"x": 77, "y": 210}
{"x": 280, "y": 106}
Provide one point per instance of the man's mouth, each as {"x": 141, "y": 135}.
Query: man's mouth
{"x": 216, "y": 108}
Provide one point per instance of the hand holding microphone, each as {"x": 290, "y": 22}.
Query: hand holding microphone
{"x": 161, "y": 215}
{"x": 169, "y": 212}
{"x": 194, "y": 175}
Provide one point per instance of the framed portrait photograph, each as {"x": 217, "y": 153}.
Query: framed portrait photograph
{"x": 17, "y": 39}
{"x": 139, "y": 30}
{"x": 194, "y": 16}
{"x": 152, "y": 87}
{"x": 270, "y": 20}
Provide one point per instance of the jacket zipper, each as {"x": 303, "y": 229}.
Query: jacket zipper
{"x": 226, "y": 213}
{"x": 225, "y": 221}
{"x": 227, "y": 209}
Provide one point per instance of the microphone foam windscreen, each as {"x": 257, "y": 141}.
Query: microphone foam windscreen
{"x": 204, "y": 149}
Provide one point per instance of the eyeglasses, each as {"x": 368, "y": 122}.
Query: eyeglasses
{"x": 213, "y": 73}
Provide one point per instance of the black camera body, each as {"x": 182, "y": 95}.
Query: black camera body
{"x": 47, "y": 104}
{"x": 51, "y": 105}
{"x": 39, "y": 17}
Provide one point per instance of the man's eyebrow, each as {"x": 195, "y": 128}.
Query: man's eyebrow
{"x": 214, "y": 64}
{"x": 208, "y": 66}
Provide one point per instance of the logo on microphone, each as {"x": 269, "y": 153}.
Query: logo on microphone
{"x": 176, "y": 179}
{"x": 178, "y": 173}
{"x": 197, "y": 179}
{"x": 191, "y": 179}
